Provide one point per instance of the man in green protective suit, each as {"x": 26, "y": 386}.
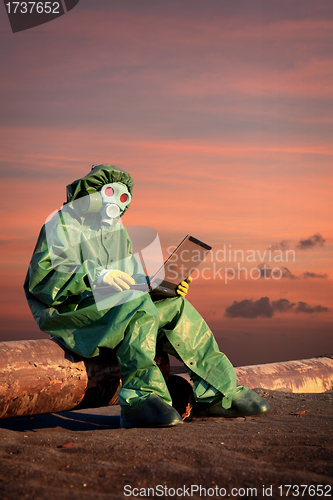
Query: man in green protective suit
{"x": 84, "y": 251}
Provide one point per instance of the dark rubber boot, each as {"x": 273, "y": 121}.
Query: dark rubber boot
{"x": 244, "y": 403}
{"x": 153, "y": 412}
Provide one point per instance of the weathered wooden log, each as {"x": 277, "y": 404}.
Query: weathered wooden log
{"x": 301, "y": 376}
{"x": 40, "y": 376}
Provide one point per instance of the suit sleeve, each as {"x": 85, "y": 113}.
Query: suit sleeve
{"x": 57, "y": 271}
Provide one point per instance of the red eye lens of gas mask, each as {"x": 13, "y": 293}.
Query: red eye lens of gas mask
{"x": 123, "y": 198}
{"x": 108, "y": 192}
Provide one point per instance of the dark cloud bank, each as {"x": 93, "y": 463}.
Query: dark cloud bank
{"x": 316, "y": 240}
{"x": 312, "y": 241}
{"x": 266, "y": 272}
{"x": 248, "y": 308}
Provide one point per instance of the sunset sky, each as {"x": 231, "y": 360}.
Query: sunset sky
{"x": 222, "y": 113}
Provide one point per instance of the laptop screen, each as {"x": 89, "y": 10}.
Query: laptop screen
{"x": 183, "y": 261}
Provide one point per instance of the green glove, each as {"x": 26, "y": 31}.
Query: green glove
{"x": 119, "y": 280}
{"x": 184, "y": 287}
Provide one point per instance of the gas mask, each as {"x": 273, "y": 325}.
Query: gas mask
{"x": 111, "y": 201}
{"x": 115, "y": 199}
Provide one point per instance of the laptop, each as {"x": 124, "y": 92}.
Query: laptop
{"x": 177, "y": 268}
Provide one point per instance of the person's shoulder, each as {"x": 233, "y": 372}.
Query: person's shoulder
{"x": 61, "y": 225}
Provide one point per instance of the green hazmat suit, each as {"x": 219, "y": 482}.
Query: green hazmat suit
{"x": 60, "y": 289}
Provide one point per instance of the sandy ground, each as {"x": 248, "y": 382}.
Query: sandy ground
{"x": 85, "y": 454}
